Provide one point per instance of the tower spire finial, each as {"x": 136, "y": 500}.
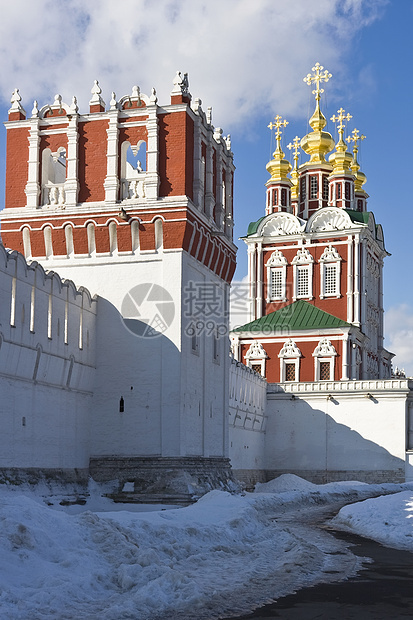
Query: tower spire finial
{"x": 277, "y": 126}
{"x": 317, "y": 78}
{"x": 341, "y": 116}
{"x": 356, "y": 138}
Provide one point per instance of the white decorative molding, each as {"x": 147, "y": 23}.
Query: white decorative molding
{"x": 279, "y": 224}
{"x": 96, "y": 92}
{"x": 324, "y": 349}
{"x": 303, "y": 257}
{"x": 328, "y": 219}
{"x": 277, "y": 259}
{"x": 289, "y": 350}
{"x": 330, "y": 254}
{"x": 256, "y": 351}
{"x": 15, "y": 103}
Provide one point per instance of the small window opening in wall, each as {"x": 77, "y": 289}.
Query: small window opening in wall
{"x": 136, "y": 158}
{"x": 121, "y": 405}
{"x": 325, "y": 371}
{"x": 23, "y": 421}
{"x": 290, "y": 372}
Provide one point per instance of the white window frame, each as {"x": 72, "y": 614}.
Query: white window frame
{"x": 255, "y": 355}
{"x": 277, "y": 262}
{"x": 330, "y": 257}
{"x": 289, "y": 354}
{"x": 324, "y": 352}
{"x": 303, "y": 261}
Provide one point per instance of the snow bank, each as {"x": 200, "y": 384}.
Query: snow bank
{"x": 387, "y": 519}
{"x": 285, "y": 482}
{"x": 224, "y": 555}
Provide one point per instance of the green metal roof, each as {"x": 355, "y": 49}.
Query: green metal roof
{"x": 253, "y": 226}
{"x": 357, "y": 216}
{"x": 299, "y": 315}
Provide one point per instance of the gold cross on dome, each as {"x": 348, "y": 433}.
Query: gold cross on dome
{"x": 316, "y": 78}
{"x": 342, "y": 116}
{"x": 277, "y": 126}
{"x": 295, "y": 146}
{"x": 356, "y": 138}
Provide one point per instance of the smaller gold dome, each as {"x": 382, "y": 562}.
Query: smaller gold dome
{"x": 317, "y": 143}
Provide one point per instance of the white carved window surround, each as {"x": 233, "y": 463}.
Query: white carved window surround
{"x": 330, "y": 263}
{"x": 303, "y": 274}
{"x": 324, "y": 354}
{"x": 255, "y": 357}
{"x": 133, "y": 170}
{"x": 289, "y": 357}
{"x": 54, "y": 177}
{"x": 276, "y": 277}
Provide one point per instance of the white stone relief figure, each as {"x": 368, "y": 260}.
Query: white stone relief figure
{"x": 133, "y": 176}
{"x": 54, "y": 176}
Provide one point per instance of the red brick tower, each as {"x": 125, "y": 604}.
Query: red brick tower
{"x": 72, "y": 193}
{"x": 134, "y": 202}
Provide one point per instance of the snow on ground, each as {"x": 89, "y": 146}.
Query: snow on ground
{"x": 224, "y": 555}
{"x": 387, "y": 519}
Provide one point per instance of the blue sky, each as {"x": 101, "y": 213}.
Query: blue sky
{"x": 247, "y": 60}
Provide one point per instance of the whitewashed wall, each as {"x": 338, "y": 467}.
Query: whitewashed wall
{"x": 247, "y": 422}
{"x": 175, "y": 401}
{"x": 341, "y": 430}
{"x": 46, "y": 367}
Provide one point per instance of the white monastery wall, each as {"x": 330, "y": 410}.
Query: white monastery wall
{"x": 247, "y": 422}
{"x": 47, "y": 367}
{"x": 205, "y": 363}
{"x": 175, "y": 398}
{"x": 338, "y": 430}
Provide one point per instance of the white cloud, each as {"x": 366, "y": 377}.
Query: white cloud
{"x": 399, "y": 336}
{"x": 240, "y": 55}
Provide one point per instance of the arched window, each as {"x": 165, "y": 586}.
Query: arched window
{"x": 113, "y": 237}
{"x": 135, "y": 236}
{"x": 69, "y": 240}
{"x": 48, "y": 245}
{"x": 27, "y": 248}
{"x": 158, "y": 234}
{"x": 91, "y": 242}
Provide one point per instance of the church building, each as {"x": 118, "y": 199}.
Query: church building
{"x": 315, "y": 264}
{"x": 116, "y": 261}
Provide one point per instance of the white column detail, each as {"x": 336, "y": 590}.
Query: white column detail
{"x": 356, "y": 308}
{"x": 259, "y": 280}
{"x": 363, "y": 310}
{"x": 350, "y": 299}
{"x": 152, "y": 154}
{"x": 112, "y": 180}
{"x": 32, "y": 189}
{"x": 198, "y": 167}
{"x": 345, "y": 364}
{"x": 251, "y": 281}
{"x": 72, "y": 182}
{"x": 209, "y": 194}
